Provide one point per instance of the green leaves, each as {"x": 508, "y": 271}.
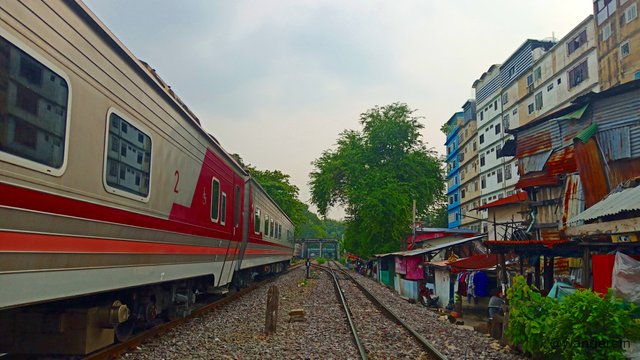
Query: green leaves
{"x": 376, "y": 174}
{"x": 583, "y": 325}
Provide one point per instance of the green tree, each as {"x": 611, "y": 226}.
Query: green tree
{"x": 375, "y": 174}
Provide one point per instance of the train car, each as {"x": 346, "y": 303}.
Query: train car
{"x": 116, "y": 206}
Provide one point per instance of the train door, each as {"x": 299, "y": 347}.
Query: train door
{"x": 233, "y": 249}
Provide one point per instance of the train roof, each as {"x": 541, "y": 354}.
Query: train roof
{"x": 148, "y": 74}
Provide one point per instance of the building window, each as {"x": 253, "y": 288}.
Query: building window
{"x": 625, "y": 49}
{"x": 499, "y": 175}
{"x": 549, "y": 87}
{"x": 578, "y": 74}
{"x": 482, "y": 139}
{"x": 497, "y": 129}
{"x": 483, "y": 182}
{"x": 507, "y": 172}
{"x": 631, "y": 13}
{"x": 498, "y": 148}
{"x": 606, "y": 32}
{"x": 512, "y": 71}
{"x": 450, "y": 200}
{"x": 515, "y": 111}
{"x": 577, "y": 42}
{"x": 33, "y": 114}
{"x": 134, "y": 174}
{"x": 215, "y": 200}
{"x": 495, "y": 104}
{"x": 538, "y": 100}
{"x": 505, "y": 98}
{"x": 475, "y": 185}
{"x": 505, "y": 122}
{"x": 481, "y": 159}
{"x": 529, "y": 80}
{"x": 475, "y": 146}
{"x": 256, "y": 221}
{"x": 537, "y": 74}
{"x": 530, "y": 108}
{"x": 481, "y": 115}
{"x": 559, "y": 81}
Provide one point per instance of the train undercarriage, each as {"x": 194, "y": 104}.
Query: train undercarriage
{"x": 83, "y": 325}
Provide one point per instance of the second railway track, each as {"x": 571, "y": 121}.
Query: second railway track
{"x": 377, "y": 331}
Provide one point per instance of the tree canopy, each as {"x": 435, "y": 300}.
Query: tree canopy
{"x": 376, "y": 173}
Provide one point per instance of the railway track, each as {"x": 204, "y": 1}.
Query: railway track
{"x": 118, "y": 349}
{"x": 366, "y": 324}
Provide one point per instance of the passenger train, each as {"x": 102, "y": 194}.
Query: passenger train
{"x": 116, "y": 206}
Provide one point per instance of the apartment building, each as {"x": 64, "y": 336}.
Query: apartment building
{"x": 618, "y": 31}
{"x": 453, "y": 167}
{"x": 488, "y": 90}
{"x": 568, "y": 70}
{"x": 469, "y": 169}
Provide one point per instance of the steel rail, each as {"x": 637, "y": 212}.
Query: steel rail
{"x": 391, "y": 315}
{"x": 347, "y": 311}
{"x": 115, "y": 350}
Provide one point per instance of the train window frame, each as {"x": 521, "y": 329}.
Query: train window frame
{"x": 272, "y": 228}
{"x": 22, "y": 161}
{"x": 223, "y": 208}
{"x": 257, "y": 224}
{"x": 266, "y": 224}
{"x": 219, "y": 197}
{"x": 143, "y": 129}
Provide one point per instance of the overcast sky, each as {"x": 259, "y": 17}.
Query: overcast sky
{"x": 277, "y": 81}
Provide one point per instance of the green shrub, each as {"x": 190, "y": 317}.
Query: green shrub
{"x": 321, "y": 261}
{"x": 587, "y": 326}
{"x": 342, "y": 261}
{"x": 528, "y": 316}
{"x": 583, "y": 325}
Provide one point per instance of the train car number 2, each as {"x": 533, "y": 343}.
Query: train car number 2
{"x": 177, "y": 175}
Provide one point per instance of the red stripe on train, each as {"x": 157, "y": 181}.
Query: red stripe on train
{"x": 22, "y": 242}
{"x": 30, "y": 199}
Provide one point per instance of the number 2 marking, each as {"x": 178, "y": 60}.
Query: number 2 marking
{"x": 177, "y": 175}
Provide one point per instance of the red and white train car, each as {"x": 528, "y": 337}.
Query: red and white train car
{"x": 112, "y": 196}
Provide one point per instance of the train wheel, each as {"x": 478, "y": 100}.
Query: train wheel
{"x": 125, "y": 330}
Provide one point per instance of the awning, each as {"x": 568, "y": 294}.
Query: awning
{"x": 478, "y": 262}
{"x": 574, "y": 115}
{"x": 432, "y": 246}
{"x": 511, "y": 199}
{"x": 587, "y": 133}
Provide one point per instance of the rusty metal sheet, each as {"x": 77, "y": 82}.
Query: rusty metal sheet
{"x": 572, "y": 198}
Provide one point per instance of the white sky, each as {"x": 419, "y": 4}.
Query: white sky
{"x": 277, "y": 81}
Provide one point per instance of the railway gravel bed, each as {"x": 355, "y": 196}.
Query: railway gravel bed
{"x": 451, "y": 340}
{"x": 236, "y": 330}
{"x": 382, "y": 337}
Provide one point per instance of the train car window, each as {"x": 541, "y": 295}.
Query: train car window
{"x": 215, "y": 200}
{"x": 223, "y": 208}
{"x": 256, "y": 221}
{"x": 271, "y": 230}
{"x": 34, "y": 109}
{"x": 236, "y": 208}
{"x": 266, "y": 225}
{"x": 128, "y": 158}
{"x": 280, "y": 231}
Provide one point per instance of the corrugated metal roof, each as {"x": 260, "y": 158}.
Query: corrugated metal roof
{"x": 625, "y": 200}
{"x": 432, "y": 246}
{"x": 560, "y": 162}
